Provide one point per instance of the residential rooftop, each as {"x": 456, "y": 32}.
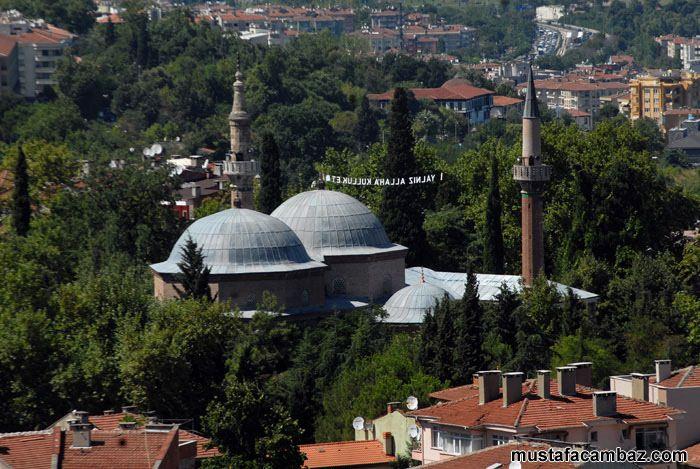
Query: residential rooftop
{"x": 345, "y": 454}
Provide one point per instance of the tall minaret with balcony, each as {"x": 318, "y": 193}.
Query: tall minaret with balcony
{"x": 238, "y": 166}
{"x": 532, "y": 176}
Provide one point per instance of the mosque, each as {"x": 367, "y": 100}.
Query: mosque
{"x": 323, "y": 250}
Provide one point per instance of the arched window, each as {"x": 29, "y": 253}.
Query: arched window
{"x": 386, "y": 285}
{"x": 305, "y": 297}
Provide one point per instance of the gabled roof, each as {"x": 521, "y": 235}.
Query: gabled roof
{"x": 456, "y": 89}
{"x": 684, "y": 378}
{"x": 543, "y": 414}
{"x": 344, "y": 454}
{"x": 497, "y": 455}
{"x": 30, "y": 450}
{"x": 505, "y": 100}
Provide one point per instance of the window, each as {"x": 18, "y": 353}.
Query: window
{"x": 650, "y": 438}
{"x": 594, "y": 436}
{"x": 497, "y": 440}
{"x": 339, "y": 286}
{"x": 305, "y": 297}
{"x": 452, "y": 443}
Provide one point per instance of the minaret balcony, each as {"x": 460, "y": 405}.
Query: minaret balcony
{"x": 536, "y": 173}
{"x": 251, "y": 168}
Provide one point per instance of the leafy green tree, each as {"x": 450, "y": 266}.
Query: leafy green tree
{"x": 194, "y": 273}
{"x": 400, "y": 210}
{"x": 251, "y": 430}
{"x": 364, "y": 389}
{"x": 21, "y": 204}
{"x": 577, "y": 347}
{"x": 270, "y": 196}
{"x": 493, "y": 237}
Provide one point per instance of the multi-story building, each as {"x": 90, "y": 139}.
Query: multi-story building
{"x": 455, "y": 94}
{"x": 447, "y": 38}
{"x": 39, "y": 46}
{"x": 687, "y": 49}
{"x": 655, "y": 94}
{"x": 388, "y": 19}
{"x": 575, "y": 93}
{"x": 486, "y": 413}
{"x": 679, "y": 389}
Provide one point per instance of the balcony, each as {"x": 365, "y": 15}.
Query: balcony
{"x": 538, "y": 173}
{"x": 242, "y": 167}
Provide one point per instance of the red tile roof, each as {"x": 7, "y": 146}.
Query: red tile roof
{"x": 108, "y": 421}
{"x": 576, "y": 113}
{"x": 124, "y": 449}
{"x": 683, "y": 378}
{"x": 453, "y": 394}
{"x": 115, "y": 18}
{"x": 7, "y": 43}
{"x": 544, "y": 414}
{"x": 344, "y": 453}
{"x": 505, "y": 101}
{"x": 453, "y": 90}
{"x": 495, "y": 455}
{"x": 693, "y": 455}
{"x": 28, "y": 450}
{"x": 203, "y": 450}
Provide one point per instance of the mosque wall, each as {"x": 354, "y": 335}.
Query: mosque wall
{"x": 365, "y": 276}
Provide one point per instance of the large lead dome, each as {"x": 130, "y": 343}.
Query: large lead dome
{"x": 333, "y": 223}
{"x": 409, "y": 305}
{"x": 238, "y": 241}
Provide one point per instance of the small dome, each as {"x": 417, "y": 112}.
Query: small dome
{"x": 409, "y": 305}
{"x": 242, "y": 241}
{"x": 333, "y": 223}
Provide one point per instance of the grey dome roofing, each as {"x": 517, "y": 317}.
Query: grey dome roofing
{"x": 333, "y": 223}
{"x": 237, "y": 241}
{"x": 409, "y": 305}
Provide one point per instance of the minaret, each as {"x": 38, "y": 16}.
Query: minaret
{"x": 532, "y": 176}
{"x": 238, "y": 166}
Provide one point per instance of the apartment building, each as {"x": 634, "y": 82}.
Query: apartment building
{"x": 456, "y": 94}
{"x": 39, "y": 46}
{"x": 575, "y": 93}
{"x": 566, "y": 409}
{"x": 676, "y": 388}
{"x": 686, "y": 48}
{"x": 657, "y": 93}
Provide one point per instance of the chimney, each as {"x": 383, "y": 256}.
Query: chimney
{"x": 543, "y": 383}
{"x": 640, "y": 386}
{"x": 512, "y": 387}
{"x": 221, "y": 184}
{"x": 566, "y": 380}
{"x": 488, "y": 385}
{"x": 109, "y": 412}
{"x": 604, "y": 403}
{"x": 127, "y": 425}
{"x": 129, "y": 409}
{"x": 584, "y": 373}
{"x": 235, "y": 197}
{"x": 81, "y": 434}
{"x": 388, "y": 443}
{"x": 196, "y": 191}
{"x": 663, "y": 369}
{"x": 81, "y": 416}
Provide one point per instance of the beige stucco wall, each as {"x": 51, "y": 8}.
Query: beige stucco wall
{"x": 688, "y": 399}
{"x": 370, "y": 277}
{"x": 622, "y": 386}
{"x": 395, "y": 423}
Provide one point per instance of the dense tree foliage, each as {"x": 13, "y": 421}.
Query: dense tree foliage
{"x": 270, "y": 196}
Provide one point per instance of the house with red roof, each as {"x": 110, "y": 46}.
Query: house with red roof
{"x": 566, "y": 409}
{"x": 675, "y": 388}
{"x": 499, "y": 457}
{"x": 83, "y": 446}
{"x": 504, "y": 104}
{"x": 456, "y": 94}
{"x": 370, "y": 454}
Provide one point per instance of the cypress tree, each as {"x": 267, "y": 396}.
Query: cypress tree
{"x": 367, "y": 128}
{"x": 468, "y": 334}
{"x": 270, "y": 175}
{"x": 445, "y": 342}
{"x": 493, "y": 236}
{"x": 194, "y": 276}
{"x": 110, "y": 33}
{"x": 428, "y": 342}
{"x": 400, "y": 210}
{"x": 21, "y": 203}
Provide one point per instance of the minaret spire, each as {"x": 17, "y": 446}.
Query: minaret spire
{"x": 532, "y": 176}
{"x": 239, "y": 166}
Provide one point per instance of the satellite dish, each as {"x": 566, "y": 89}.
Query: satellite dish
{"x": 358, "y": 423}
{"x": 177, "y": 139}
{"x": 515, "y": 465}
{"x": 412, "y": 403}
{"x": 156, "y": 148}
{"x": 146, "y": 151}
{"x": 132, "y": 149}
{"x": 206, "y": 163}
{"x": 413, "y": 432}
